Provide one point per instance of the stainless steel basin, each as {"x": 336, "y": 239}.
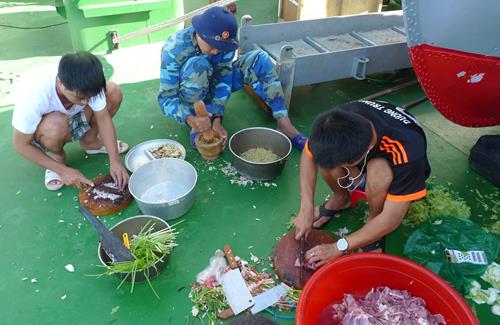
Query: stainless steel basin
{"x": 164, "y": 187}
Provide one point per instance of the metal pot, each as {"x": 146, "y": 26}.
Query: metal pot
{"x": 164, "y": 187}
{"x": 259, "y": 137}
{"x": 132, "y": 226}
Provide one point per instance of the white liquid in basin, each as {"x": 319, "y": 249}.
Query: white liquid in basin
{"x": 164, "y": 192}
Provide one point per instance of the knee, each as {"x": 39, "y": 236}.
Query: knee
{"x": 262, "y": 62}
{"x": 114, "y": 97}
{"x": 53, "y": 129}
{"x": 254, "y": 56}
{"x": 262, "y": 56}
{"x": 379, "y": 176}
{"x": 332, "y": 175}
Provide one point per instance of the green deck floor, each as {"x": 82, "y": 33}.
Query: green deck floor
{"x": 42, "y": 231}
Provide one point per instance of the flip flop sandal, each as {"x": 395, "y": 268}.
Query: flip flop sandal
{"x": 51, "y": 176}
{"x": 192, "y": 137}
{"x": 375, "y": 245}
{"x": 299, "y": 141}
{"x": 324, "y": 212}
{"x": 122, "y": 147}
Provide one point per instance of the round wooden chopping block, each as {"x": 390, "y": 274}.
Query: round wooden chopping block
{"x": 104, "y": 197}
{"x": 287, "y": 252}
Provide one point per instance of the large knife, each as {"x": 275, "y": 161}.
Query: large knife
{"x": 113, "y": 246}
{"x": 302, "y": 252}
{"x": 235, "y": 289}
{"x": 269, "y": 297}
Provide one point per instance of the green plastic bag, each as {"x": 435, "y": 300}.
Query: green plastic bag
{"x": 427, "y": 245}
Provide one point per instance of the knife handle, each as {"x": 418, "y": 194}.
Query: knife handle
{"x": 233, "y": 264}
{"x": 225, "y": 314}
{"x": 125, "y": 240}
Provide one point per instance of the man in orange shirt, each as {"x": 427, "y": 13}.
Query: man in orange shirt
{"x": 369, "y": 145}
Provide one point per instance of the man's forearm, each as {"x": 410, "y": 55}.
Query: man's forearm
{"x": 386, "y": 222}
{"x": 108, "y": 136}
{"x": 308, "y": 175}
{"x": 172, "y": 107}
{"x": 38, "y": 157}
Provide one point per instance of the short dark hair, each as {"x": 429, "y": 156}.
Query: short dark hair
{"x": 252, "y": 320}
{"x": 339, "y": 137}
{"x": 82, "y": 72}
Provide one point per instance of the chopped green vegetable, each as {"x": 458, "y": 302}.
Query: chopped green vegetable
{"x": 440, "y": 201}
{"x": 491, "y": 296}
{"x": 489, "y": 202}
{"x": 293, "y": 295}
{"x": 291, "y": 223}
{"x": 492, "y": 275}
{"x": 478, "y": 295}
{"x": 494, "y": 228}
{"x": 207, "y": 302}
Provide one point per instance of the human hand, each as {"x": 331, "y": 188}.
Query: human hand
{"x": 119, "y": 174}
{"x": 319, "y": 255}
{"x": 303, "y": 223}
{"x": 217, "y": 127}
{"x": 74, "y": 177}
{"x": 199, "y": 123}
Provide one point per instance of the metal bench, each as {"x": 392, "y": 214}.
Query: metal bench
{"x": 319, "y": 50}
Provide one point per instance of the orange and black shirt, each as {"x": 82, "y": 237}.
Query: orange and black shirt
{"x": 401, "y": 141}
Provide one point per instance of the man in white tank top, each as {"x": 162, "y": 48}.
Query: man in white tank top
{"x": 71, "y": 102}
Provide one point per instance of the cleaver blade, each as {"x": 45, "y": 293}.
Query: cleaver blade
{"x": 269, "y": 297}
{"x": 236, "y": 291}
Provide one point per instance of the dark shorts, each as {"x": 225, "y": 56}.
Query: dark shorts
{"x": 78, "y": 126}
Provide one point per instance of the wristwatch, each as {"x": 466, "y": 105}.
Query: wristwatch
{"x": 214, "y": 116}
{"x": 342, "y": 245}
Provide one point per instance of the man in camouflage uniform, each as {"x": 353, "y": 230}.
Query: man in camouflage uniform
{"x": 197, "y": 64}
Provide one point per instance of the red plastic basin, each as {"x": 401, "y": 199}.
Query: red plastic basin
{"x": 358, "y": 273}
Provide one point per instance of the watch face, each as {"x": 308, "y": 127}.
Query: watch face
{"x": 342, "y": 244}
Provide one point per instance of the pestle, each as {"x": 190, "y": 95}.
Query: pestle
{"x": 201, "y": 111}
{"x": 208, "y": 143}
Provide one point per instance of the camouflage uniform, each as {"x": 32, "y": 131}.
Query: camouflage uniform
{"x": 187, "y": 76}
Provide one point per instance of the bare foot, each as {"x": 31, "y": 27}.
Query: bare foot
{"x": 285, "y": 126}
{"x": 336, "y": 202}
{"x": 289, "y": 133}
{"x": 55, "y": 182}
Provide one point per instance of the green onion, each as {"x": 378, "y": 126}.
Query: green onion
{"x": 148, "y": 247}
